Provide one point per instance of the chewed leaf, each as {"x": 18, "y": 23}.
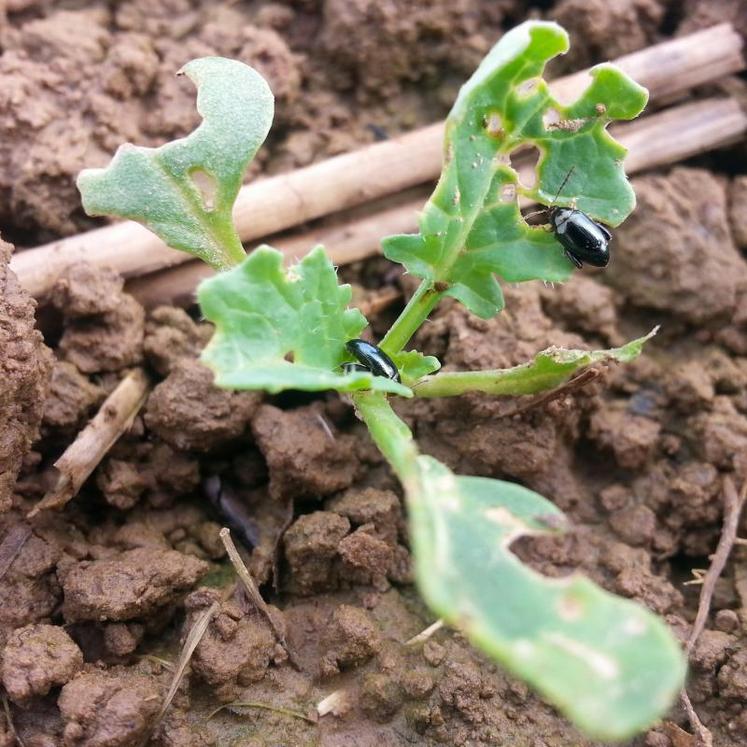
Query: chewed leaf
{"x": 278, "y": 329}
{"x": 472, "y": 227}
{"x": 413, "y": 365}
{"x": 607, "y": 663}
{"x": 184, "y": 191}
{"x": 549, "y": 369}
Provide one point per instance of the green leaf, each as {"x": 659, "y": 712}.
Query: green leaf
{"x": 278, "y": 329}
{"x": 472, "y": 227}
{"x": 607, "y": 663}
{"x": 413, "y": 365}
{"x": 184, "y": 191}
{"x": 550, "y": 368}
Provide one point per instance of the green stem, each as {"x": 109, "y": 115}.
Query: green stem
{"x": 413, "y": 315}
{"x": 233, "y": 253}
{"x": 498, "y": 382}
{"x": 389, "y": 433}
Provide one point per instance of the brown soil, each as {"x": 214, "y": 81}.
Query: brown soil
{"x": 95, "y": 602}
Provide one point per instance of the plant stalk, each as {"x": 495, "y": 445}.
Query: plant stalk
{"x": 418, "y": 308}
{"x": 389, "y": 433}
{"x": 515, "y": 381}
{"x": 233, "y": 252}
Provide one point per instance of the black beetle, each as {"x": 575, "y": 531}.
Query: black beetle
{"x": 583, "y": 239}
{"x": 371, "y": 358}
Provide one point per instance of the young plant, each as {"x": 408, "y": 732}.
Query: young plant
{"x": 607, "y": 663}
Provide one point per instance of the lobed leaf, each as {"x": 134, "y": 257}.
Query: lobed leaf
{"x": 607, "y": 663}
{"x": 471, "y": 228}
{"x": 184, "y": 191}
{"x": 278, "y": 329}
{"x": 413, "y": 365}
{"x": 550, "y": 368}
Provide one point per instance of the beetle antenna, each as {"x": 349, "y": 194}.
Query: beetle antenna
{"x": 557, "y": 194}
{"x": 563, "y": 183}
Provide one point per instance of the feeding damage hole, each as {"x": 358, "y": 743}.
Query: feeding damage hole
{"x": 508, "y": 193}
{"x": 493, "y": 124}
{"x": 552, "y": 120}
{"x": 207, "y": 187}
{"x": 527, "y": 88}
{"x": 525, "y": 160}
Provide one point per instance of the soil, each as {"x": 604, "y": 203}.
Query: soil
{"x": 96, "y": 601}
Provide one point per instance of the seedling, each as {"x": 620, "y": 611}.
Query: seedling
{"x": 608, "y": 664}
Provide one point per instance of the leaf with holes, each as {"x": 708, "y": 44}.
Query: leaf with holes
{"x": 184, "y": 191}
{"x": 472, "y": 228}
{"x": 607, "y": 663}
{"x": 278, "y": 329}
{"x": 549, "y": 368}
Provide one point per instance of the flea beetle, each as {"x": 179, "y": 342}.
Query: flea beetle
{"x": 583, "y": 239}
{"x": 371, "y": 358}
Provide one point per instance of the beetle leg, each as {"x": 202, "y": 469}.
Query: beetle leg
{"x": 349, "y": 368}
{"x": 579, "y": 264}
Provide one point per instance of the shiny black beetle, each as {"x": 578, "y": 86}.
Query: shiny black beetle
{"x": 371, "y": 358}
{"x": 583, "y": 239}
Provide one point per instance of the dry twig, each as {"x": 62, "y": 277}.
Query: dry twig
{"x": 12, "y": 545}
{"x": 701, "y": 731}
{"x": 9, "y": 720}
{"x": 251, "y": 588}
{"x": 194, "y": 637}
{"x": 585, "y": 377}
{"x": 92, "y": 444}
{"x": 424, "y": 635}
{"x": 270, "y": 205}
{"x": 733, "y": 504}
{"x": 264, "y": 706}
{"x": 700, "y": 126}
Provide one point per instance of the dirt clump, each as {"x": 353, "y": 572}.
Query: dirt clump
{"x": 352, "y": 638}
{"x": 381, "y": 508}
{"x": 364, "y": 551}
{"x": 25, "y": 368}
{"x": 190, "y": 413}
{"x": 171, "y": 336}
{"x": 108, "y": 709}
{"x": 103, "y": 326}
{"x": 71, "y": 399}
{"x": 583, "y": 305}
{"x": 84, "y": 290}
{"x": 458, "y": 34}
{"x": 732, "y": 676}
{"x": 311, "y": 548}
{"x": 675, "y": 252}
{"x": 603, "y": 31}
{"x": 121, "y": 483}
{"x": 738, "y": 210}
{"x": 29, "y": 590}
{"x": 237, "y": 647}
{"x": 632, "y": 438}
{"x": 134, "y": 584}
{"x": 702, "y": 14}
{"x": 37, "y": 658}
{"x": 304, "y": 455}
